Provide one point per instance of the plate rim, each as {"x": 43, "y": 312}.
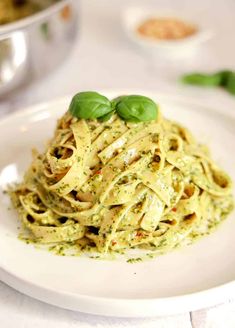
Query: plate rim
{"x": 121, "y": 308}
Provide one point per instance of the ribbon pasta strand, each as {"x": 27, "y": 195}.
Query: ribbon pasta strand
{"x": 116, "y": 185}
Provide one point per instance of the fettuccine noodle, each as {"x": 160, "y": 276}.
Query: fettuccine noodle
{"x": 115, "y": 185}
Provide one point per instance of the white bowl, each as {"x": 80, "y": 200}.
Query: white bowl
{"x": 133, "y": 16}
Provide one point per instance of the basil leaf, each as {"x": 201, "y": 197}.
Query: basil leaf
{"x": 225, "y": 79}
{"x": 202, "y": 79}
{"x": 136, "y": 108}
{"x": 224, "y": 76}
{"x": 89, "y": 105}
{"x": 106, "y": 117}
{"x": 115, "y": 101}
{"x": 230, "y": 86}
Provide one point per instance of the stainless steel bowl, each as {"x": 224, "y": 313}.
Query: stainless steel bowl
{"x": 32, "y": 47}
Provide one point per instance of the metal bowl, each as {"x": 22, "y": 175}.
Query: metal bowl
{"x": 32, "y": 47}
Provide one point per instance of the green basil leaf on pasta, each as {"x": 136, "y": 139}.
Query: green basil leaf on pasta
{"x": 89, "y": 105}
{"x": 135, "y": 108}
{"x": 115, "y": 101}
{"x": 106, "y": 117}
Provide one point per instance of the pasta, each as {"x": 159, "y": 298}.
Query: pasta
{"x": 116, "y": 185}
{"x": 13, "y": 10}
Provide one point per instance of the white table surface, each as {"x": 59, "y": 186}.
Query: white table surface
{"x": 103, "y": 58}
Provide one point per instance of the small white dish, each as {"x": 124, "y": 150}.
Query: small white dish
{"x": 134, "y": 16}
{"x": 187, "y": 279}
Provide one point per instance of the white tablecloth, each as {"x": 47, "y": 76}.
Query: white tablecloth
{"x": 103, "y": 58}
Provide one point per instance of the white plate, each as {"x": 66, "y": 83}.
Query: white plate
{"x": 187, "y": 279}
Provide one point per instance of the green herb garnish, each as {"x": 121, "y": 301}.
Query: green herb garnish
{"x": 202, "y": 79}
{"x": 230, "y": 86}
{"x": 106, "y": 117}
{"x": 134, "y": 260}
{"x": 133, "y": 108}
{"x": 136, "y": 109}
{"x": 115, "y": 101}
{"x": 224, "y": 79}
{"x": 90, "y": 105}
